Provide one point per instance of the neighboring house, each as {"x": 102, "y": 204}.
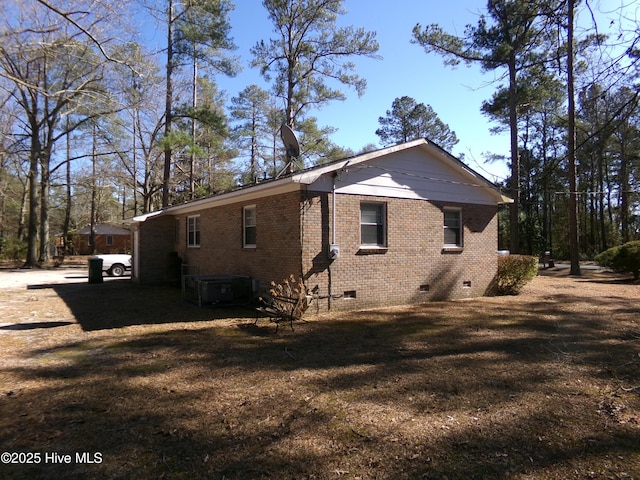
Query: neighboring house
{"x": 108, "y": 239}
{"x": 405, "y": 224}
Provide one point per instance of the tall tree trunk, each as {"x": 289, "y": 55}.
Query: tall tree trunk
{"x": 591, "y": 206}
{"x": 289, "y": 113}
{"x": 604, "y": 242}
{"x": 274, "y": 155}
{"x": 166, "y": 174}
{"x": 574, "y": 244}
{"x": 194, "y": 104}
{"x": 32, "y": 223}
{"x": 24, "y": 200}
{"x": 3, "y": 196}
{"x": 45, "y": 180}
{"x": 609, "y": 199}
{"x": 546, "y": 195}
{"x": 45, "y": 185}
{"x": 624, "y": 189}
{"x": 514, "y": 183}
{"x": 134, "y": 153}
{"x": 253, "y": 172}
{"x": 67, "y": 210}
{"x": 92, "y": 234}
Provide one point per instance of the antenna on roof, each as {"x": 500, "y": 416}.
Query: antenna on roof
{"x": 292, "y": 147}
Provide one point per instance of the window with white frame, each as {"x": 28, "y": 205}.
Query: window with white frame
{"x": 373, "y": 225}
{"x": 193, "y": 231}
{"x": 249, "y": 226}
{"x": 453, "y": 228}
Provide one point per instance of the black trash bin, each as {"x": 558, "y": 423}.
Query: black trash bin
{"x": 95, "y": 270}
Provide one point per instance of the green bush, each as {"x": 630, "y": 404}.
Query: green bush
{"x": 514, "y": 272}
{"x": 607, "y": 258}
{"x": 622, "y": 259}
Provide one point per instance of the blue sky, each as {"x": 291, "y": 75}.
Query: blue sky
{"x": 455, "y": 94}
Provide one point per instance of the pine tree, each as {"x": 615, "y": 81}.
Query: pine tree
{"x": 310, "y": 49}
{"x": 408, "y": 120}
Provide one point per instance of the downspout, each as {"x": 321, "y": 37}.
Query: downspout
{"x": 334, "y": 248}
{"x": 333, "y": 209}
{"x": 333, "y": 238}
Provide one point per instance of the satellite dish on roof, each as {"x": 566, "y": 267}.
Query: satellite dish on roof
{"x": 290, "y": 141}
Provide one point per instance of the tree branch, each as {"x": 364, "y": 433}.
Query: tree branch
{"x": 67, "y": 17}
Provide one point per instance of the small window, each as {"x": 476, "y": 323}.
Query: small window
{"x": 372, "y": 225}
{"x": 249, "y": 226}
{"x": 109, "y": 240}
{"x": 193, "y": 231}
{"x": 453, "y": 228}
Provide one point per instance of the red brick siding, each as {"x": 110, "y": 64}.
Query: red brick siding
{"x": 121, "y": 244}
{"x": 293, "y": 233}
{"x": 414, "y": 256}
{"x": 156, "y": 244}
{"x": 277, "y": 252}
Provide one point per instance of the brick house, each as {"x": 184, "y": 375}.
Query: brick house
{"x": 404, "y": 224}
{"x": 109, "y": 238}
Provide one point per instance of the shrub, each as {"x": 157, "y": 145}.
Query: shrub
{"x": 622, "y": 259}
{"x": 514, "y": 272}
{"x": 607, "y": 258}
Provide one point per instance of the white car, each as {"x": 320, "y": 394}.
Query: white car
{"x": 115, "y": 264}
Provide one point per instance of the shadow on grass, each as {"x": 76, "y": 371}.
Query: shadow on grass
{"x": 120, "y": 303}
{"x": 455, "y": 390}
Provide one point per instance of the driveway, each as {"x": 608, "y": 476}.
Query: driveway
{"x": 20, "y": 278}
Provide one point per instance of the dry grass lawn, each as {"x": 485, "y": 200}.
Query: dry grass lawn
{"x": 542, "y": 385}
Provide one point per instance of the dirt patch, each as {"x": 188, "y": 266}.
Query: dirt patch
{"x": 542, "y": 385}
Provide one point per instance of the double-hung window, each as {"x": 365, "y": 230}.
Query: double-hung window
{"x": 372, "y": 225}
{"x": 193, "y": 231}
{"x": 249, "y": 226}
{"x": 452, "y": 228}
